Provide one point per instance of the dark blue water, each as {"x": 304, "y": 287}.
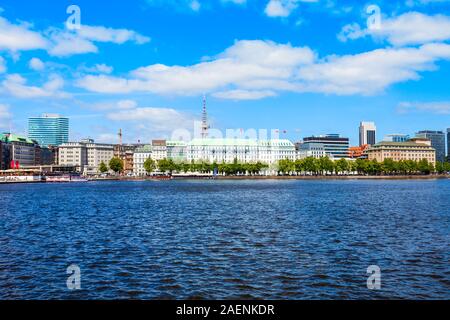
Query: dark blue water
{"x": 226, "y": 239}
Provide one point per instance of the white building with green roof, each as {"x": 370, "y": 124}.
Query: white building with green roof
{"x": 244, "y": 150}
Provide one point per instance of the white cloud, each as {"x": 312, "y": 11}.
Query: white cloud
{"x": 412, "y": 3}
{"x": 2, "y": 65}
{"x": 244, "y": 94}
{"x": 19, "y": 37}
{"x": 114, "y": 105}
{"x": 5, "y": 116}
{"x": 16, "y": 86}
{"x": 370, "y": 72}
{"x": 439, "y": 107}
{"x": 412, "y": 28}
{"x": 283, "y": 8}
{"x": 67, "y": 43}
{"x": 153, "y": 119}
{"x": 36, "y": 64}
{"x": 240, "y": 66}
{"x": 195, "y": 5}
{"x": 259, "y": 69}
{"x": 279, "y": 8}
{"x": 62, "y": 42}
{"x": 98, "y": 68}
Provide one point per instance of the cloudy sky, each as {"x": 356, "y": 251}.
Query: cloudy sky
{"x": 306, "y": 67}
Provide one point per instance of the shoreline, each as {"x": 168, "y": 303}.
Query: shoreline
{"x": 305, "y": 178}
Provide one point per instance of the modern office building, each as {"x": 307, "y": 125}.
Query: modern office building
{"x": 396, "y": 137}
{"x": 335, "y": 145}
{"x": 367, "y": 133}
{"x": 243, "y": 150}
{"x": 448, "y": 144}
{"x": 437, "y": 142}
{"x": 414, "y": 149}
{"x": 85, "y": 155}
{"x": 309, "y": 149}
{"x": 49, "y": 130}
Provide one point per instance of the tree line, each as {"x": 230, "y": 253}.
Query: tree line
{"x": 326, "y": 166}
{"x": 310, "y": 165}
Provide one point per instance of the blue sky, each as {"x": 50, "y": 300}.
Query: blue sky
{"x": 308, "y": 67}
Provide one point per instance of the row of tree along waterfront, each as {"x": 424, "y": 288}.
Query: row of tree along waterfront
{"x": 307, "y": 166}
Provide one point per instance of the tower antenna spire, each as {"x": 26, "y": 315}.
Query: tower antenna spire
{"x": 205, "y": 125}
{"x": 120, "y": 137}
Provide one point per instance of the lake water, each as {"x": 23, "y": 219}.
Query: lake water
{"x": 271, "y": 239}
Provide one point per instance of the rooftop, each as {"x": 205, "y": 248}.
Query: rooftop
{"x": 7, "y": 137}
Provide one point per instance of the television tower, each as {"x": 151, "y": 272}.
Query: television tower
{"x": 205, "y": 125}
{"x": 120, "y": 137}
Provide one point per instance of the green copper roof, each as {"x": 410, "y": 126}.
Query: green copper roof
{"x": 146, "y": 148}
{"x": 15, "y": 138}
{"x": 241, "y": 142}
{"x": 401, "y": 144}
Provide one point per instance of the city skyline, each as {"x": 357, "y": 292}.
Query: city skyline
{"x": 270, "y": 74}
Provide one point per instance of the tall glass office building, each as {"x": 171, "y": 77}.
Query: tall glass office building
{"x": 448, "y": 144}
{"x": 437, "y": 142}
{"x": 49, "y": 129}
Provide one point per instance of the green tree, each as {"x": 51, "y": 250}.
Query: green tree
{"x": 103, "y": 168}
{"x": 447, "y": 167}
{"x": 325, "y": 165}
{"x": 390, "y": 166}
{"x": 167, "y": 165}
{"x": 440, "y": 167}
{"x": 342, "y": 166}
{"x": 424, "y": 166}
{"x": 311, "y": 165}
{"x": 149, "y": 165}
{"x": 116, "y": 164}
{"x": 361, "y": 166}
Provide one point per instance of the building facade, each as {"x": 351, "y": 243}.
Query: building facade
{"x": 437, "y": 142}
{"x": 415, "y": 149}
{"x": 396, "y": 137}
{"x": 335, "y": 145}
{"x": 126, "y": 154}
{"x": 310, "y": 149}
{"x": 367, "y": 133}
{"x": 177, "y": 150}
{"x": 358, "y": 152}
{"x": 159, "y": 149}
{"x": 49, "y": 130}
{"x": 22, "y": 151}
{"x": 242, "y": 150}
{"x": 4, "y": 155}
{"x": 140, "y": 155}
{"x": 448, "y": 144}
{"x": 85, "y": 155}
